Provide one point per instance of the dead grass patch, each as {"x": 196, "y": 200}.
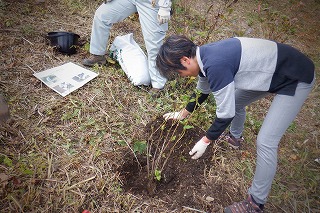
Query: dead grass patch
{"x": 64, "y": 154}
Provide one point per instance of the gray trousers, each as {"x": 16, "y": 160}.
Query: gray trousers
{"x": 281, "y": 113}
{"x": 154, "y": 33}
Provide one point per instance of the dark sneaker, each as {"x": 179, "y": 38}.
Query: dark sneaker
{"x": 94, "y": 59}
{"x": 234, "y": 142}
{"x": 246, "y": 206}
{"x": 155, "y": 93}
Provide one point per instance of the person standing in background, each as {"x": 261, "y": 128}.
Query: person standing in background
{"x": 153, "y": 16}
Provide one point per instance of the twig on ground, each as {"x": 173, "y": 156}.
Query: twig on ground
{"x": 16, "y": 202}
{"x": 102, "y": 110}
{"x": 73, "y": 25}
{"x": 67, "y": 174}
{"x": 193, "y": 209}
{"x": 27, "y": 41}
{"x": 49, "y": 156}
{"x": 31, "y": 68}
{"x": 112, "y": 95}
{"x": 76, "y": 184}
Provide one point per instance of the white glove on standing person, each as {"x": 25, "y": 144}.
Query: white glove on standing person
{"x": 164, "y": 11}
{"x": 176, "y": 115}
{"x": 198, "y": 149}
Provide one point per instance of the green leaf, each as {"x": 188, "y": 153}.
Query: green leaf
{"x": 7, "y": 161}
{"x": 140, "y": 146}
{"x": 163, "y": 127}
{"x": 188, "y": 127}
{"x": 157, "y": 175}
{"x": 173, "y": 138}
{"x": 25, "y": 170}
{"x": 183, "y": 158}
{"x": 122, "y": 143}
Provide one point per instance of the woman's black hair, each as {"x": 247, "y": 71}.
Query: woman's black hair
{"x": 170, "y": 53}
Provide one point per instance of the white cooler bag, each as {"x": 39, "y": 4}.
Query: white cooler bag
{"x": 131, "y": 58}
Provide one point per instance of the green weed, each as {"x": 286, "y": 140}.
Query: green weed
{"x": 86, "y": 47}
{"x": 140, "y": 146}
{"x": 6, "y": 161}
{"x": 292, "y": 127}
{"x": 69, "y": 115}
{"x": 28, "y": 30}
{"x": 75, "y": 5}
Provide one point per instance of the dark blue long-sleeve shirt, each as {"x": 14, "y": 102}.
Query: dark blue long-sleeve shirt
{"x": 248, "y": 64}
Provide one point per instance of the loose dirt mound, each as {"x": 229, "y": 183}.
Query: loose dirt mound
{"x": 183, "y": 181}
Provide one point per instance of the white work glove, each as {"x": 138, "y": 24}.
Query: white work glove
{"x": 198, "y": 149}
{"x": 174, "y": 116}
{"x": 164, "y": 15}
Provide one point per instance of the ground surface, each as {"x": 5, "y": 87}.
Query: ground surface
{"x": 67, "y": 154}
{"x": 183, "y": 181}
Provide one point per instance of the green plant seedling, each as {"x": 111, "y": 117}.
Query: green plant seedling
{"x": 157, "y": 175}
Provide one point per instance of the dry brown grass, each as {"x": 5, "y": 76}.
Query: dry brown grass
{"x": 61, "y": 154}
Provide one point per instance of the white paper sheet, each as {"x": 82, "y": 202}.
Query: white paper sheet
{"x": 66, "y": 78}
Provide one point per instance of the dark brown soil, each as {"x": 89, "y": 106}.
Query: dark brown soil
{"x": 183, "y": 183}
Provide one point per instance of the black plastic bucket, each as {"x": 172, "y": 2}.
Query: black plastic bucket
{"x": 65, "y": 42}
